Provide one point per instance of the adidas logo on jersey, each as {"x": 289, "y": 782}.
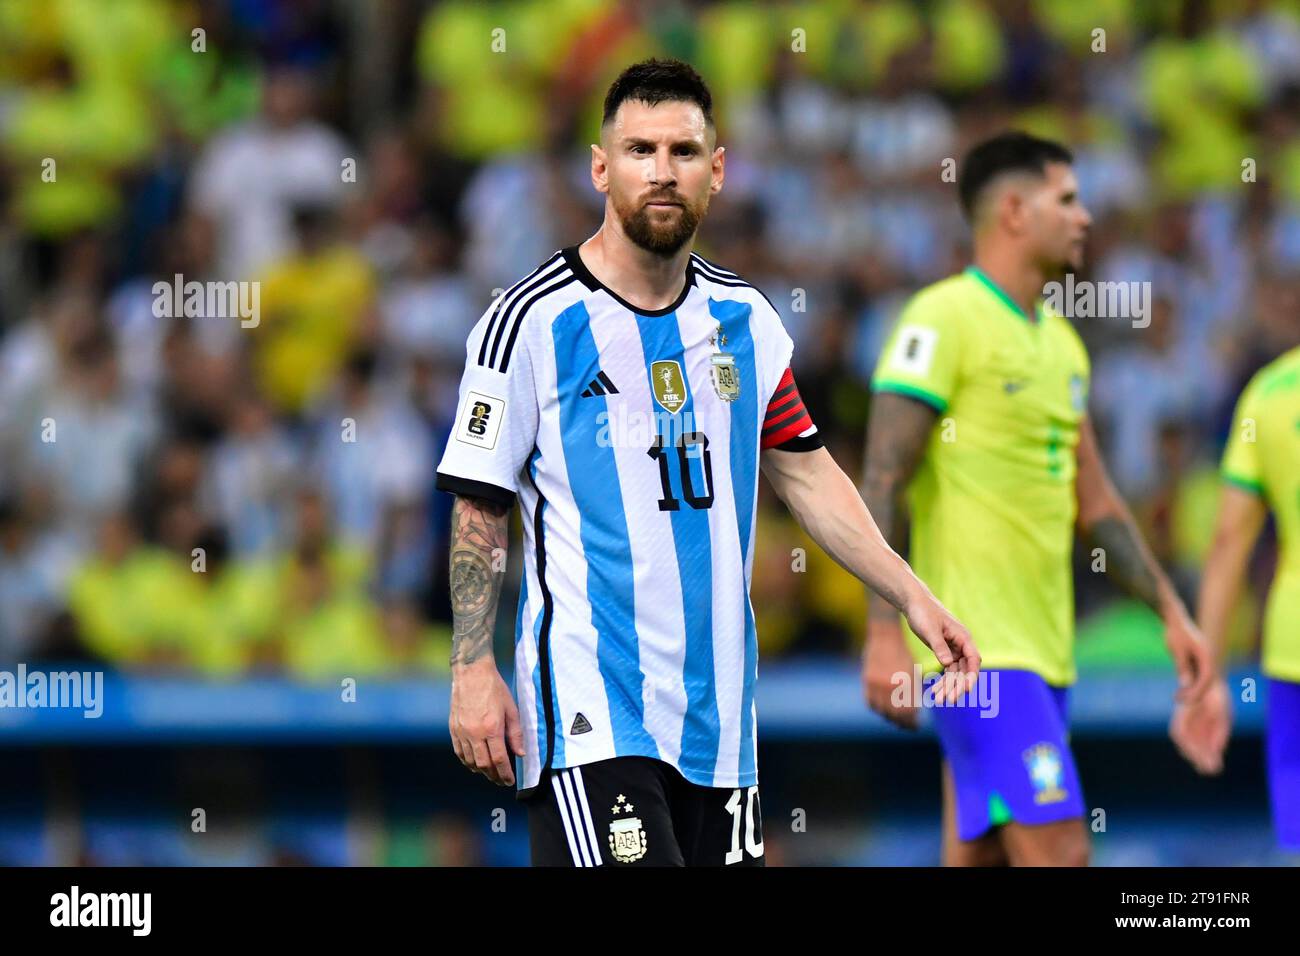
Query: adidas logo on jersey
{"x": 600, "y": 385}
{"x": 580, "y": 725}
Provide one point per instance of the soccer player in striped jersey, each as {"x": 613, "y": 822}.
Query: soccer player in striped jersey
{"x": 995, "y": 492}
{"x": 1261, "y": 470}
{"x": 627, "y": 393}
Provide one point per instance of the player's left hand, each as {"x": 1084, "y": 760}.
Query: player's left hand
{"x": 951, "y": 643}
{"x": 1193, "y": 661}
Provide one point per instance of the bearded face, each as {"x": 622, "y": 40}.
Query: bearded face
{"x": 659, "y": 166}
{"x": 661, "y": 222}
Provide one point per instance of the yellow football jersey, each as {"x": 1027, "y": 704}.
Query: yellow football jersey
{"x": 1263, "y": 456}
{"x": 993, "y": 501}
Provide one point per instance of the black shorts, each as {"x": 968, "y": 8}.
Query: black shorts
{"x": 637, "y": 810}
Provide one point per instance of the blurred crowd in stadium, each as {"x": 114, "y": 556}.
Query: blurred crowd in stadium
{"x": 188, "y": 492}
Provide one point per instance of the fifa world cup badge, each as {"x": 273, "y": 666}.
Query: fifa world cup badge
{"x": 669, "y": 386}
{"x": 726, "y": 381}
{"x": 627, "y": 840}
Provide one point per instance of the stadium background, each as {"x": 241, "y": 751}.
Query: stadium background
{"x": 467, "y": 126}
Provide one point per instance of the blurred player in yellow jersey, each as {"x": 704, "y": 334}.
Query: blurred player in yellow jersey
{"x": 980, "y": 417}
{"x": 1261, "y": 471}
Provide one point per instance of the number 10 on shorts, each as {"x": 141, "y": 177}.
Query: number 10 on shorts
{"x": 753, "y": 821}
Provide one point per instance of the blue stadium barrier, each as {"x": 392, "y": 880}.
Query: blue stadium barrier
{"x": 795, "y": 700}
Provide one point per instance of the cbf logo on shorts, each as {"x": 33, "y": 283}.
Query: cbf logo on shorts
{"x": 1045, "y": 770}
{"x": 626, "y": 838}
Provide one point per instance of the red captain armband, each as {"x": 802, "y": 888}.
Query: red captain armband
{"x": 787, "y": 426}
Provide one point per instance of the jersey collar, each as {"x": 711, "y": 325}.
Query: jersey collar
{"x": 595, "y": 285}
{"x": 1006, "y": 300}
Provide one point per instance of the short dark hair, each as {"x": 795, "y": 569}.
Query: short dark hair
{"x": 1008, "y": 152}
{"x": 657, "y": 81}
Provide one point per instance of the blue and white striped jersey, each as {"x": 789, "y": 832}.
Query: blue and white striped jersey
{"x": 632, "y": 441}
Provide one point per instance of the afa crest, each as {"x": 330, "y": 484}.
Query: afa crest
{"x": 725, "y": 380}
{"x": 627, "y": 841}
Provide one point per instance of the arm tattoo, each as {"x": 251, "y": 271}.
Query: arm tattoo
{"x": 1128, "y": 562}
{"x": 898, "y": 433}
{"x": 480, "y": 536}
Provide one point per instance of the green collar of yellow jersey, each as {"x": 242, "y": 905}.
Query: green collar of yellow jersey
{"x": 1006, "y": 300}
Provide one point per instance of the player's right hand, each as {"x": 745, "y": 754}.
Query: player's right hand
{"x": 1201, "y": 730}
{"x": 483, "y": 719}
{"x": 888, "y": 673}
{"x": 951, "y": 643}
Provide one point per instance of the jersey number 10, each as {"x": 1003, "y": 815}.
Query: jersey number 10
{"x": 660, "y": 452}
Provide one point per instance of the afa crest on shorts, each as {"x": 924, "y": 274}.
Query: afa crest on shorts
{"x": 1045, "y": 771}
{"x": 627, "y": 842}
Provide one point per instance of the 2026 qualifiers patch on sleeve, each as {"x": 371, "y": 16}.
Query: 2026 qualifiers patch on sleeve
{"x": 480, "y": 420}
